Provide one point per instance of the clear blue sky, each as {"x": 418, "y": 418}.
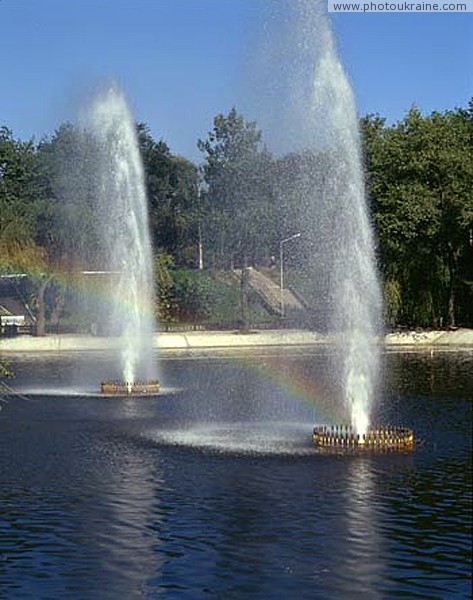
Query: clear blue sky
{"x": 183, "y": 61}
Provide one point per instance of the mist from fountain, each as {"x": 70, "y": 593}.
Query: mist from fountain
{"x": 306, "y": 107}
{"x": 355, "y": 295}
{"x": 121, "y": 210}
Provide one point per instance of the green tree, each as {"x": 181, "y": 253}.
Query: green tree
{"x": 18, "y": 194}
{"x": 67, "y": 224}
{"x": 191, "y": 295}
{"x": 21, "y": 194}
{"x": 172, "y": 188}
{"x": 66, "y": 221}
{"x": 420, "y": 172}
{"x": 239, "y": 199}
{"x": 163, "y": 265}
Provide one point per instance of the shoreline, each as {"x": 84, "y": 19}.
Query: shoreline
{"x": 207, "y": 340}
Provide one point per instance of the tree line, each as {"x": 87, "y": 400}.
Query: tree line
{"x": 234, "y": 209}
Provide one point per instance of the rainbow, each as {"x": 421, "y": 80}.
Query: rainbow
{"x": 302, "y": 385}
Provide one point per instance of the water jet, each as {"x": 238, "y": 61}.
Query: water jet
{"x": 121, "y": 208}
{"x": 315, "y": 123}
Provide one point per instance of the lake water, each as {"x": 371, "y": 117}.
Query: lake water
{"x": 212, "y": 490}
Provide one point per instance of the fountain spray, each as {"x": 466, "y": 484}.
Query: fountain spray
{"x": 122, "y": 212}
{"x": 308, "y": 112}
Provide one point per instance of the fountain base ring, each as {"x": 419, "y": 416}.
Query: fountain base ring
{"x": 123, "y": 388}
{"x": 343, "y": 437}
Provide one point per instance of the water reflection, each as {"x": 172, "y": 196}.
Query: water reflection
{"x": 80, "y": 508}
{"x": 430, "y": 529}
{"x": 123, "y": 516}
{"x": 94, "y": 503}
{"x": 362, "y": 563}
{"x": 432, "y": 372}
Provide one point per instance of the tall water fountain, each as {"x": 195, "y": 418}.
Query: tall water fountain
{"x": 354, "y": 292}
{"x": 306, "y": 106}
{"x": 121, "y": 209}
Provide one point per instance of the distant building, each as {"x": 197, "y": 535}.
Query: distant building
{"x": 15, "y": 313}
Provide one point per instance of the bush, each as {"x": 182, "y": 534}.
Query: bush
{"x": 200, "y": 297}
{"x": 191, "y": 295}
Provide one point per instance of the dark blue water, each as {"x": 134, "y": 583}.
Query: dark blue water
{"x": 212, "y": 490}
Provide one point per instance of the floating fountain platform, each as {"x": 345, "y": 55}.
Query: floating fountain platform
{"x": 124, "y": 388}
{"x": 382, "y": 439}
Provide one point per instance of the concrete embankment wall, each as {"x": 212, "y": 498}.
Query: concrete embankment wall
{"x": 459, "y": 337}
{"x": 167, "y": 341}
{"x": 218, "y": 339}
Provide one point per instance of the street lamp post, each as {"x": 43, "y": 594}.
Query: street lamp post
{"x": 202, "y": 188}
{"x": 281, "y": 267}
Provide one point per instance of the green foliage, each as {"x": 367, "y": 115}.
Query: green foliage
{"x": 5, "y": 370}
{"x": 19, "y": 191}
{"x": 66, "y": 219}
{"x": 420, "y": 174}
{"x": 209, "y": 298}
{"x": 192, "y": 296}
{"x": 392, "y": 301}
{"x": 174, "y": 208}
{"x": 163, "y": 264}
{"x": 238, "y": 201}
